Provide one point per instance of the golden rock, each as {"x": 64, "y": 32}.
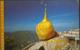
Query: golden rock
{"x": 45, "y": 29}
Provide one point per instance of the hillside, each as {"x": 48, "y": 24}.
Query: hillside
{"x": 19, "y": 39}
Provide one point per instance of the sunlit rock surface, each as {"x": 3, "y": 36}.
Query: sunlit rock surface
{"x": 57, "y": 43}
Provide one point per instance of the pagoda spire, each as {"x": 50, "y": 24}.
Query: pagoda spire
{"x": 45, "y": 15}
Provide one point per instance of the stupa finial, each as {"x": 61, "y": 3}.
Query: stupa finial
{"x": 45, "y": 13}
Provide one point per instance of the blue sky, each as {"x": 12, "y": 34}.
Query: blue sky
{"x": 25, "y": 15}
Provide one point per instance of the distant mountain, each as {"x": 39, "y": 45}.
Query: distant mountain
{"x": 21, "y": 38}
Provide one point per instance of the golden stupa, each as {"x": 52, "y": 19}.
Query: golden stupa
{"x": 45, "y": 29}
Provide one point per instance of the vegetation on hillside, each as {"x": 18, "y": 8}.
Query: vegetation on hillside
{"x": 19, "y": 39}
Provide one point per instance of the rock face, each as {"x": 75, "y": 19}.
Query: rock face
{"x": 57, "y": 43}
{"x": 45, "y": 29}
